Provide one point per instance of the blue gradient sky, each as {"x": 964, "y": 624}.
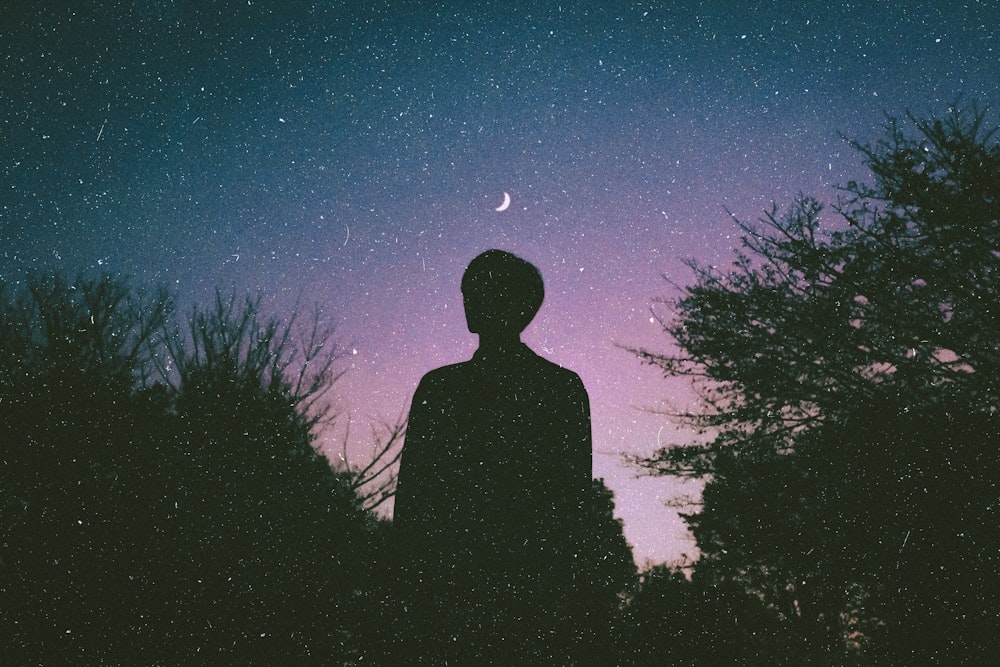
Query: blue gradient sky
{"x": 322, "y": 153}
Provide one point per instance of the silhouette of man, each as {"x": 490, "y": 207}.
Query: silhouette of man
{"x": 495, "y": 471}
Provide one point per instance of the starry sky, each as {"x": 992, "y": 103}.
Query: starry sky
{"x": 351, "y": 155}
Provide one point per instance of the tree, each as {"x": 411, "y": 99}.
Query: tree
{"x": 849, "y": 391}
{"x": 77, "y": 418}
{"x": 269, "y": 548}
{"x": 161, "y": 500}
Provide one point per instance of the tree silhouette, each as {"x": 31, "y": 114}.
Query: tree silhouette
{"x": 162, "y": 500}
{"x": 270, "y": 544}
{"x": 848, "y": 381}
{"x": 77, "y": 419}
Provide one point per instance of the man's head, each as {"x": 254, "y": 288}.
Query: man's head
{"x": 502, "y": 293}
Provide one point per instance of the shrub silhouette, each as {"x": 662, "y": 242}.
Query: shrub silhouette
{"x": 162, "y": 501}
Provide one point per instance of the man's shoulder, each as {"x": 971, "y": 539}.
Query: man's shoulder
{"x": 552, "y": 368}
{"x": 526, "y": 364}
{"x": 445, "y": 375}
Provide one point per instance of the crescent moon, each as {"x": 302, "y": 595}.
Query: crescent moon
{"x": 506, "y": 202}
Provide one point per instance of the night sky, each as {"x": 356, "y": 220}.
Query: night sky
{"x": 352, "y": 155}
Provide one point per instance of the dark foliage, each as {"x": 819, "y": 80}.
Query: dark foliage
{"x": 162, "y": 501}
{"x": 671, "y": 620}
{"x": 850, "y": 406}
{"x": 610, "y": 574}
{"x": 76, "y": 427}
{"x": 188, "y": 521}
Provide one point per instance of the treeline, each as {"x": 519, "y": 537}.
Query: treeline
{"x": 163, "y": 502}
{"x": 162, "y": 498}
